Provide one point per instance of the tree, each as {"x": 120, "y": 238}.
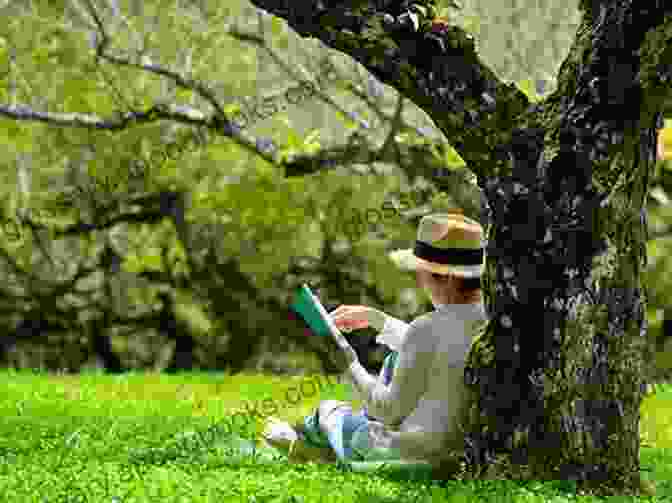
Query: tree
{"x": 127, "y": 195}
{"x": 565, "y": 180}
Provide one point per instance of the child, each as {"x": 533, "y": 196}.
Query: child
{"x": 412, "y": 407}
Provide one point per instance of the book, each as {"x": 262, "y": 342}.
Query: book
{"x": 308, "y": 306}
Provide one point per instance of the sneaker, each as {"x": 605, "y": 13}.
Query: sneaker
{"x": 279, "y": 434}
{"x": 282, "y": 436}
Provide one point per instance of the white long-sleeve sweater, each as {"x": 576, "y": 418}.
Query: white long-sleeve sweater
{"x": 418, "y": 410}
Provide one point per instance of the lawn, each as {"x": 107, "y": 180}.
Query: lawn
{"x": 144, "y": 437}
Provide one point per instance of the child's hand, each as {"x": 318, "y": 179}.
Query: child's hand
{"x": 348, "y": 318}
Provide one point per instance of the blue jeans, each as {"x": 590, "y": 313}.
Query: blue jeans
{"x": 351, "y": 422}
{"x": 338, "y": 438}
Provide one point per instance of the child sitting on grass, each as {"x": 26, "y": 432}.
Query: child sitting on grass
{"x": 413, "y": 405}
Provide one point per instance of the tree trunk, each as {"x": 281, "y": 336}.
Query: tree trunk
{"x": 173, "y": 329}
{"x": 183, "y": 355}
{"x": 561, "y": 391}
{"x": 102, "y": 347}
{"x": 557, "y": 394}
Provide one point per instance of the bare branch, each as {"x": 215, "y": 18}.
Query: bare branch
{"x": 359, "y": 151}
{"x": 261, "y": 42}
{"x": 366, "y": 97}
{"x": 188, "y": 115}
{"x": 185, "y": 83}
{"x": 396, "y": 126}
{"x": 302, "y": 165}
{"x": 176, "y": 113}
{"x": 148, "y": 216}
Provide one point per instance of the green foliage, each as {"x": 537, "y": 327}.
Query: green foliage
{"x": 188, "y": 310}
{"x": 295, "y": 145}
{"x": 245, "y": 206}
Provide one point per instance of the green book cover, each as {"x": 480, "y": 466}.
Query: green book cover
{"x": 308, "y": 306}
{"x": 313, "y": 314}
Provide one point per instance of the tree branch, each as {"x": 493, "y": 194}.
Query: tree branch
{"x": 299, "y": 166}
{"x": 466, "y": 100}
{"x": 185, "y": 83}
{"x": 177, "y": 113}
{"x": 259, "y": 41}
{"x": 475, "y": 110}
{"x": 146, "y": 215}
{"x": 359, "y": 151}
{"x": 218, "y": 121}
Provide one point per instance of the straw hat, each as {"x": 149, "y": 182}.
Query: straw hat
{"x": 447, "y": 243}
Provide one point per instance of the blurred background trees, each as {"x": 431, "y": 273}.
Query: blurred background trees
{"x": 163, "y": 245}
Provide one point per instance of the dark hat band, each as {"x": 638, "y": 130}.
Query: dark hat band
{"x": 451, "y": 256}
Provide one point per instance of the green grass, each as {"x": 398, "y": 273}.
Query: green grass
{"x": 148, "y": 437}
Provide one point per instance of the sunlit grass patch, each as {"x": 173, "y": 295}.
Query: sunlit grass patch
{"x": 153, "y": 393}
{"x": 153, "y": 437}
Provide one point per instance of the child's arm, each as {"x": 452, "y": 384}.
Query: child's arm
{"x": 392, "y": 403}
{"x": 392, "y": 333}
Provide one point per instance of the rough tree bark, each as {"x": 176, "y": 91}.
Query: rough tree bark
{"x": 566, "y": 182}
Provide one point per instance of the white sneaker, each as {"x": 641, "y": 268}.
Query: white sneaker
{"x": 279, "y": 434}
{"x": 282, "y": 436}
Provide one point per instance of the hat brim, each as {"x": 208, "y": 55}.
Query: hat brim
{"x": 407, "y": 261}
